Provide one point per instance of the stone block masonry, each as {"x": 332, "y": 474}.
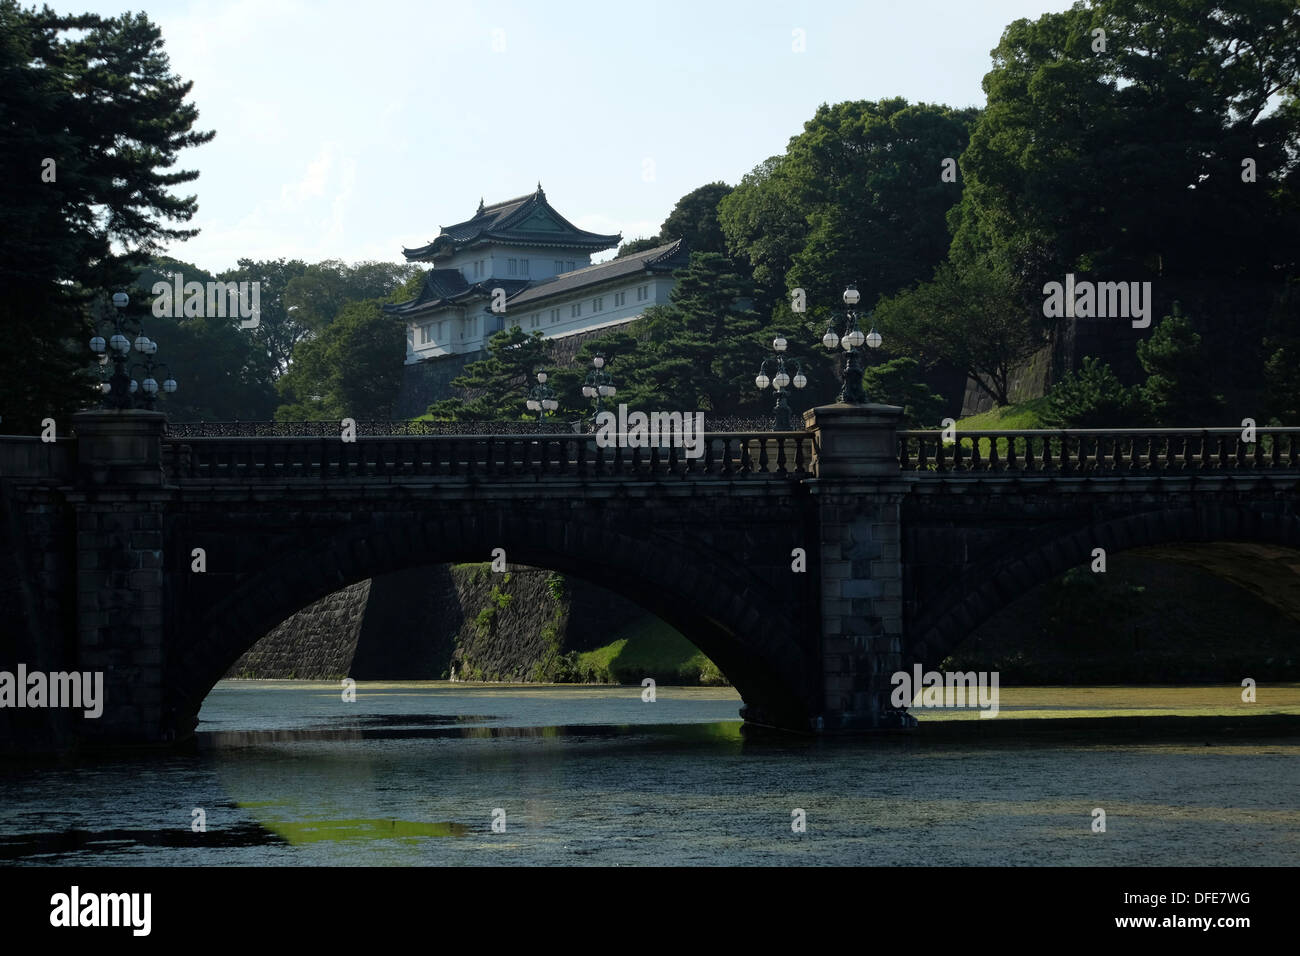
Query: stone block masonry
{"x": 419, "y": 623}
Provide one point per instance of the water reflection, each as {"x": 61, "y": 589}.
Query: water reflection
{"x": 416, "y": 774}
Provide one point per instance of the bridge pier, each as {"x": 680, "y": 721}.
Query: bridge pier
{"x": 858, "y": 491}
{"x": 119, "y": 503}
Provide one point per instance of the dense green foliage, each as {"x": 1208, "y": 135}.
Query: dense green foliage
{"x": 897, "y": 382}
{"x": 966, "y": 317}
{"x": 223, "y": 371}
{"x": 694, "y": 219}
{"x": 500, "y": 384}
{"x": 281, "y": 324}
{"x": 857, "y": 197}
{"x": 1092, "y": 397}
{"x": 1178, "y": 375}
{"x": 347, "y": 362}
{"x": 350, "y": 370}
{"x": 94, "y": 96}
{"x": 1159, "y": 158}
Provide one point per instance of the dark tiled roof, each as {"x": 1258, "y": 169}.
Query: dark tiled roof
{"x": 444, "y": 287}
{"x": 526, "y": 220}
{"x": 665, "y": 258}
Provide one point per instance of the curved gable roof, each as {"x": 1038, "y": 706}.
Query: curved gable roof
{"x": 526, "y": 220}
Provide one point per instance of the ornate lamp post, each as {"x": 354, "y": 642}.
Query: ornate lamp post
{"x": 598, "y": 384}
{"x": 542, "y": 398}
{"x": 780, "y": 381}
{"x": 851, "y": 340}
{"x": 128, "y": 334}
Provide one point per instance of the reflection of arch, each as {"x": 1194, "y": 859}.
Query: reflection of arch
{"x": 1029, "y": 561}
{"x": 718, "y": 604}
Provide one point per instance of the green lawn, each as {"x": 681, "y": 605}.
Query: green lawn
{"x": 1024, "y": 415}
{"x": 650, "y": 648}
{"x": 1005, "y": 418}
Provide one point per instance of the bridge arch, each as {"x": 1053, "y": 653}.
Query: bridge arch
{"x": 728, "y": 611}
{"x": 1032, "y": 559}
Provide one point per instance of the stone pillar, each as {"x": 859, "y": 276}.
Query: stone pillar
{"x": 119, "y": 501}
{"x": 858, "y": 488}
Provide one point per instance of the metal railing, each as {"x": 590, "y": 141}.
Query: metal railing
{"x": 1112, "y": 451}
{"x": 729, "y": 455}
{"x": 332, "y": 429}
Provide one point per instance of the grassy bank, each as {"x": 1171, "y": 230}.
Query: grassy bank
{"x": 1026, "y": 414}
{"x": 648, "y": 648}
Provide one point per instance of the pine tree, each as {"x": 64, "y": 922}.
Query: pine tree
{"x": 1092, "y": 397}
{"x": 1178, "y": 373}
{"x": 498, "y": 385}
{"x": 90, "y": 125}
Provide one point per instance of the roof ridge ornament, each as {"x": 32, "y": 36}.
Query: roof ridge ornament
{"x": 481, "y": 207}
{"x": 540, "y": 194}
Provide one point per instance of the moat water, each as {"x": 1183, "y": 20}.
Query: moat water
{"x": 409, "y": 774}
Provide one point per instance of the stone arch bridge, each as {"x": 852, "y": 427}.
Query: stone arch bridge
{"x": 907, "y": 543}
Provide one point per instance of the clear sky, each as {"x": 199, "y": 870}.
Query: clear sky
{"x": 348, "y": 129}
